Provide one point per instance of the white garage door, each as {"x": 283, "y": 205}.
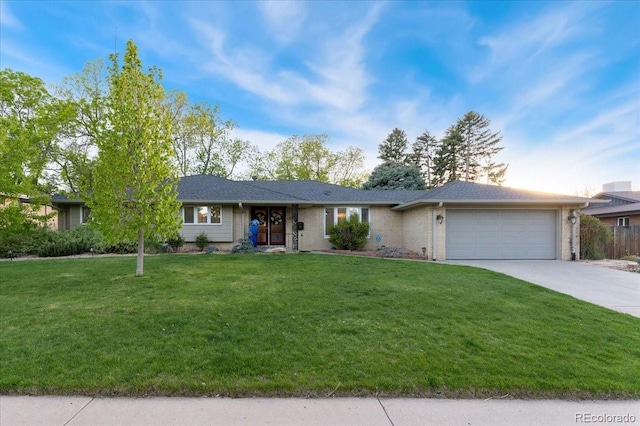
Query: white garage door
{"x": 501, "y": 234}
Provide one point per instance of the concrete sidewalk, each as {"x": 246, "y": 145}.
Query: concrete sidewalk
{"x": 75, "y": 411}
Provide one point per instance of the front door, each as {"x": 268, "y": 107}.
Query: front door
{"x": 272, "y": 225}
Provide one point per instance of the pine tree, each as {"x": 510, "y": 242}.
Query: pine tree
{"x": 447, "y": 158}
{"x": 466, "y": 152}
{"x": 479, "y": 146}
{"x": 394, "y": 148}
{"x": 423, "y": 150}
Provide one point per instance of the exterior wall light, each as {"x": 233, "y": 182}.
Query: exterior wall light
{"x": 572, "y": 218}
{"x": 440, "y": 218}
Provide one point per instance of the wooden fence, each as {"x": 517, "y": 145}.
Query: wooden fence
{"x": 625, "y": 241}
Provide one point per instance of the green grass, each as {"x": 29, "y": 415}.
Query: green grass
{"x": 302, "y": 325}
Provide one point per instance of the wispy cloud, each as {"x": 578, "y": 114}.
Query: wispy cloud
{"x": 335, "y": 75}
{"x": 520, "y": 46}
{"x": 284, "y": 17}
{"x": 7, "y": 19}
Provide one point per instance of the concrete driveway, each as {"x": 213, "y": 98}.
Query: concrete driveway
{"x": 611, "y": 288}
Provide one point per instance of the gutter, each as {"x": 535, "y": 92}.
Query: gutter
{"x": 496, "y": 202}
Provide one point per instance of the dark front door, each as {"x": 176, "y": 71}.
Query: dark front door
{"x": 272, "y": 225}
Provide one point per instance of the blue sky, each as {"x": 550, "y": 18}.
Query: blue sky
{"x": 560, "y": 80}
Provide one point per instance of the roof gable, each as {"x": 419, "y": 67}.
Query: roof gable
{"x": 625, "y": 196}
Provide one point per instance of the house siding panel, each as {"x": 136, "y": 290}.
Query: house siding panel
{"x": 416, "y": 230}
{"x": 387, "y": 224}
{"x": 215, "y": 233}
{"x": 74, "y": 216}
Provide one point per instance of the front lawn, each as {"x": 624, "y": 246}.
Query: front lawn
{"x": 303, "y": 325}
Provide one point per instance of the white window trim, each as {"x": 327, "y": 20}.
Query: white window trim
{"x": 83, "y": 220}
{"x": 623, "y": 219}
{"x": 195, "y": 215}
{"x": 335, "y": 216}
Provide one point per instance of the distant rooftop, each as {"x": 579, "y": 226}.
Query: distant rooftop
{"x": 623, "y": 185}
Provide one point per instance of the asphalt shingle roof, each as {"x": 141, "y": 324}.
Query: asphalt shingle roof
{"x": 208, "y": 188}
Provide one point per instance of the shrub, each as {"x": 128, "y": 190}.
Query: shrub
{"x": 202, "y": 240}
{"x": 152, "y": 246}
{"x": 68, "y": 243}
{"x": 350, "y": 234}
{"x": 387, "y": 251}
{"x": 125, "y": 247}
{"x": 175, "y": 242}
{"x": 244, "y": 246}
{"x": 594, "y": 235}
{"x": 26, "y": 241}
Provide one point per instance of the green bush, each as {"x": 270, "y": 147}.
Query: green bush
{"x": 152, "y": 246}
{"x": 202, "y": 240}
{"x": 594, "y": 235}
{"x": 176, "y": 242}
{"x": 350, "y": 234}
{"x": 125, "y": 247}
{"x": 47, "y": 243}
{"x": 26, "y": 241}
{"x": 79, "y": 240}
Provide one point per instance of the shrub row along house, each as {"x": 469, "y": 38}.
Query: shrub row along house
{"x": 459, "y": 220}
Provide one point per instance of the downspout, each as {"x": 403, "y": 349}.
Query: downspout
{"x": 434, "y": 240}
{"x": 243, "y": 227}
{"x": 572, "y": 235}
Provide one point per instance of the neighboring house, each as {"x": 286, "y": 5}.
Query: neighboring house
{"x": 43, "y": 210}
{"x": 460, "y": 220}
{"x": 622, "y": 210}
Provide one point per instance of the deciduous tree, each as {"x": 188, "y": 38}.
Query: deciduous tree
{"x": 308, "y": 158}
{"x": 30, "y": 121}
{"x": 85, "y": 94}
{"x": 134, "y": 191}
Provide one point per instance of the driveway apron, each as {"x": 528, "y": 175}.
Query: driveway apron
{"x": 611, "y": 288}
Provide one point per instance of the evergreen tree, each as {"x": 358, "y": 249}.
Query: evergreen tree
{"x": 394, "y": 148}
{"x": 422, "y": 155}
{"x": 395, "y": 176}
{"x": 447, "y": 159}
{"x": 479, "y": 146}
{"x": 466, "y": 152}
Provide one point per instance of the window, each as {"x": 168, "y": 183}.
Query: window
{"x": 84, "y": 214}
{"x": 187, "y": 214}
{"x": 202, "y": 215}
{"x": 623, "y": 221}
{"x": 335, "y": 215}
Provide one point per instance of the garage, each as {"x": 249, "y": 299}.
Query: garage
{"x": 501, "y": 234}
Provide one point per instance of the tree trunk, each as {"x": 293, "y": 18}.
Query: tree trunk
{"x": 140, "y": 262}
